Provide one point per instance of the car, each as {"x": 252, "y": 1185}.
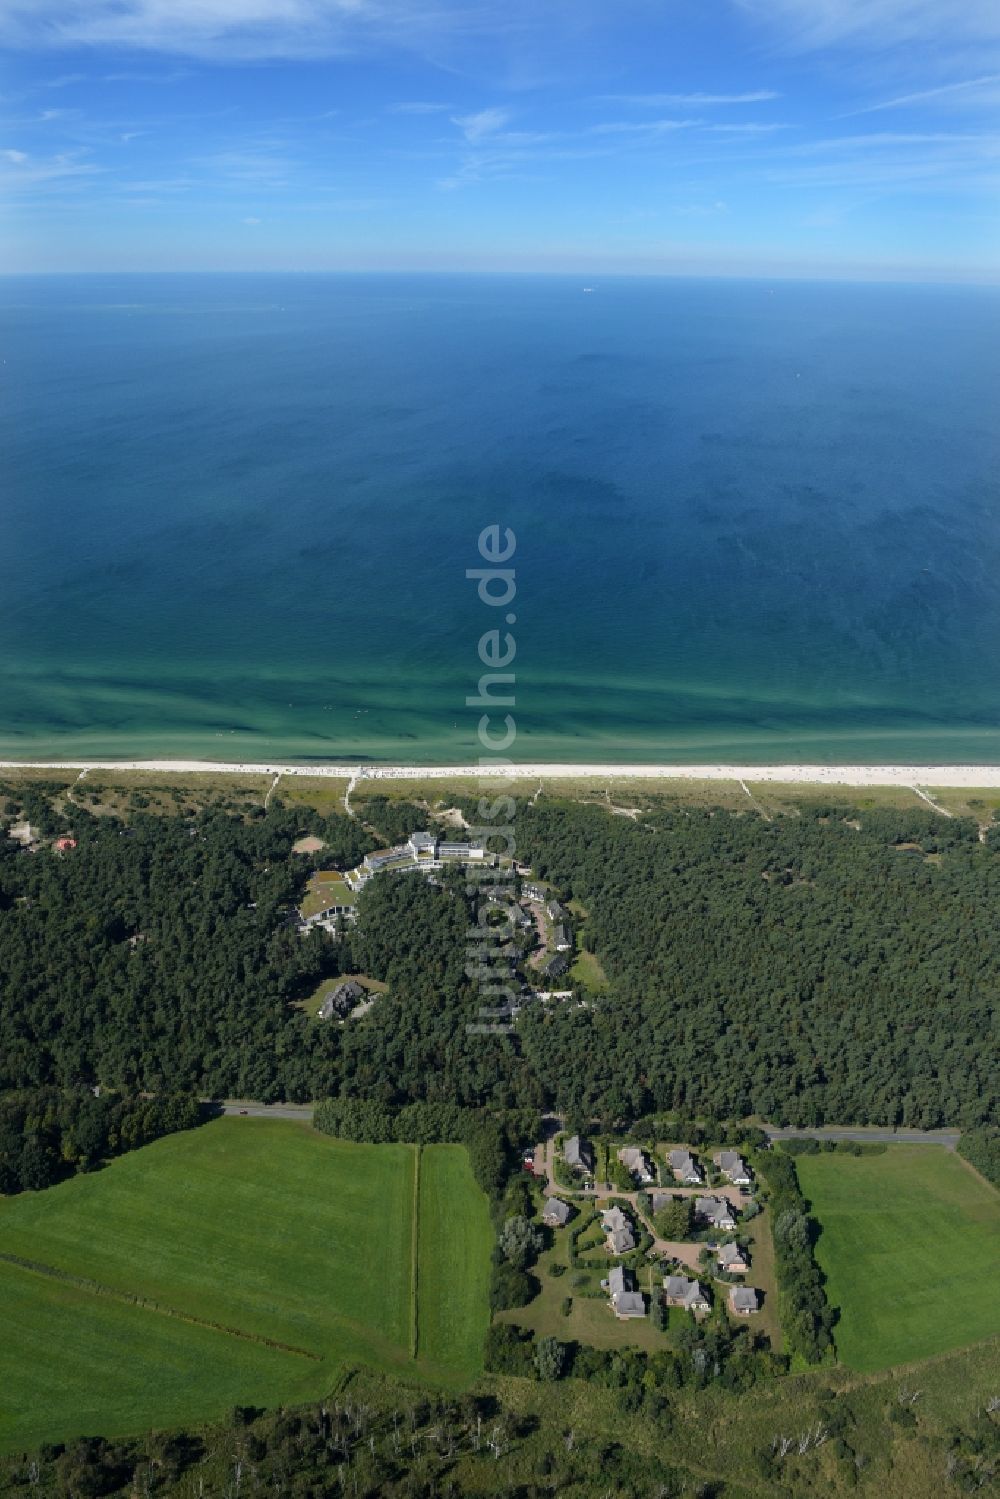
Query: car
{"x": 244, "y": 1111}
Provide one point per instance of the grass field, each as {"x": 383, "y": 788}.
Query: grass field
{"x": 234, "y": 1238}
{"x": 453, "y": 1263}
{"x": 909, "y": 1245}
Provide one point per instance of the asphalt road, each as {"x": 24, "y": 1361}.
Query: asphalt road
{"x": 301, "y": 1111}
{"x": 947, "y": 1137}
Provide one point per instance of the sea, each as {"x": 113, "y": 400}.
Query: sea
{"x": 751, "y": 521}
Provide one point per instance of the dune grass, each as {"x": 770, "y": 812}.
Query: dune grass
{"x": 909, "y": 1245}
{"x": 264, "y": 1257}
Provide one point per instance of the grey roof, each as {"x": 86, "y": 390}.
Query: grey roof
{"x": 688, "y": 1292}
{"x": 634, "y": 1159}
{"x": 620, "y": 1240}
{"x": 684, "y": 1161}
{"x": 715, "y": 1209}
{"x": 558, "y": 964}
{"x": 556, "y": 911}
{"x": 732, "y": 1163}
{"x": 343, "y": 999}
{"x": 561, "y": 936}
{"x": 730, "y": 1252}
{"x": 744, "y": 1299}
{"x": 614, "y": 1218}
{"x": 422, "y": 840}
{"x": 578, "y": 1152}
{"x": 626, "y": 1301}
{"x": 556, "y": 1208}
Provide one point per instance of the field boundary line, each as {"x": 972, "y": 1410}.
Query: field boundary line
{"x": 414, "y": 1256}
{"x": 132, "y": 1298}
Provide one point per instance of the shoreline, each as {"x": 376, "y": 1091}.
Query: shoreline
{"x": 973, "y": 776}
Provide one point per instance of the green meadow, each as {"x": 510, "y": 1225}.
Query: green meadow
{"x": 246, "y": 1262}
{"x": 909, "y": 1245}
{"x": 453, "y": 1263}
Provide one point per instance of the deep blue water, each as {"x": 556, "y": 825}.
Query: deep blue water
{"x": 755, "y": 521}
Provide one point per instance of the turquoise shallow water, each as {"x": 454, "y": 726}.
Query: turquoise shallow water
{"x": 755, "y": 522}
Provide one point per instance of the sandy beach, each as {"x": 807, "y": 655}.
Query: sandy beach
{"x": 830, "y": 775}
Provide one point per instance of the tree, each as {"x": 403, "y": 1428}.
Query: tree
{"x": 520, "y": 1242}
{"x": 676, "y": 1220}
{"x": 550, "y": 1358}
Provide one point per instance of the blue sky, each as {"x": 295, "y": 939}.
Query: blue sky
{"x": 803, "y": 137}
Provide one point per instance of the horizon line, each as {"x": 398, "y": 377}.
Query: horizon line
{"x": 980, "y": 278}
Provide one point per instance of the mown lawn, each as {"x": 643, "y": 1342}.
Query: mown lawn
{"x": 264, "y": 1228}
{"x": 909, "y": 1245}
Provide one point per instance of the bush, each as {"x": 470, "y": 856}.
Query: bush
{"x": 508, "y": 1350}
{"x": 981, "y": 1148}
{"x": 511, "y": 1288}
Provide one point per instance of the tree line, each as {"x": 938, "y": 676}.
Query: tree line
{"x": 47, "y": 1134}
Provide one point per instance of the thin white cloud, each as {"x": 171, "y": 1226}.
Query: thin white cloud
{"x": 251, "y": 220}
{"x": 641, "y": 127}
{"x": 176, "y": 75}
{"x": 29, "y": 172}
{"x": 478, "y": 126}
{"x": 808, "y": 24}
{"x": 669, "y": 101}
{"x": 881, "y": 139}
{"x": 419, "y": 107}
{"x": 948, "y": 93}
{"x": 746, "y": 127}
{"x": 701, "y": 210}
{"x": 231, "y": 31}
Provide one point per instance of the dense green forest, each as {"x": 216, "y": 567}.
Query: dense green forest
{"x": 821, "y": 967}
{"x": 161, "y": 955}
{"x": 825, "y": 967}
